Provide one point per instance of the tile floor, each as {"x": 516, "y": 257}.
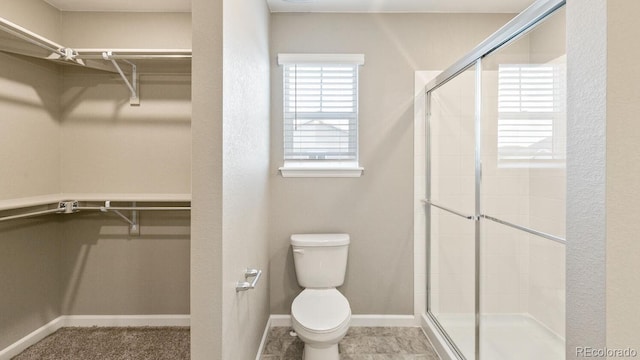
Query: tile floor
{"x": 360, "y": 343}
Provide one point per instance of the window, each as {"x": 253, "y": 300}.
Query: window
{"x": 320, "y": 110}
{"x": 531, "y": 115}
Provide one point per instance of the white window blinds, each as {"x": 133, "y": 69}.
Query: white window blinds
{"x": 320, "y": 110}
{"x": 531, "y": 112}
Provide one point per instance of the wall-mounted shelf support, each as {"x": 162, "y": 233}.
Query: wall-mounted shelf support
{"x": 68, "y": 207}
{"x": 63, "y": 206}
{"x": 133, "y": 222}
{"x": 66, "y": 54}
{"x": 42, "y": 48}
{"x": 133, "y": 84}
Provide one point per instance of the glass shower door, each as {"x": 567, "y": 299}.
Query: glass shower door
{"x": 496, "y": 139}
{"x": 523, "y": 196}
{"x": 451, "y": 194}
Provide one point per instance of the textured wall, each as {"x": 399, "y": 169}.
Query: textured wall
{"x": 245, "y": 175}
{"x": 586, "y": 159}
{"x": 377, "y": 208}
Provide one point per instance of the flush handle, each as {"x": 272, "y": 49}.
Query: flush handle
{"x": 298, "y": 251}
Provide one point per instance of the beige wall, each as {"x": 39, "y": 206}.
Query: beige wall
{"x": 30, "y": 276}
{"x": 118, "y": 148}
{"x": 105, "y": 271}
{"x": 623, "y": 167}
{"x": 126, "y": 30}
{"x": 206, "y": 221}
{"x": 109, "y": 146}
{"x": 35, "y": 15}
{"x": 30, "y": 254}
{"x": 377, "y": 208}
{"x": 30, "y": 130}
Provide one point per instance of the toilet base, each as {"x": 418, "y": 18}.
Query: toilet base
{"x": 324, "y": 353}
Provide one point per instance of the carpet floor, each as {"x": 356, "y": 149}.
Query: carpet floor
{"x": 112, "y": 343}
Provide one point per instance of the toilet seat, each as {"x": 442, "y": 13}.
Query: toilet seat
{"x": 321, "y": 311}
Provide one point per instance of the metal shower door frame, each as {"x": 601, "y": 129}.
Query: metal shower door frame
{"x": 513, "y": 30}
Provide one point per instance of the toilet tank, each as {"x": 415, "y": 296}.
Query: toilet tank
{"x": 320, "y": 259}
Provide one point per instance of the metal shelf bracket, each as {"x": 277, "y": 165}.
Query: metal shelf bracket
{"x": 134, "y": 100}
{"x": 134, "y": 229}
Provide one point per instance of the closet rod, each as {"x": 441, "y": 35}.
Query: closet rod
{"x": 31, "y": 37}
{"x": 134, "y": 57}
{"x": 63, "y": 209}
{"x": 135, "y": 54}
{"x": 140, "y": 208}
{"x": 35, "y": 213}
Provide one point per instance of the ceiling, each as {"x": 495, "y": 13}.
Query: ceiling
{"x": 475, "y": 6}
{"x": 123, "y": 5}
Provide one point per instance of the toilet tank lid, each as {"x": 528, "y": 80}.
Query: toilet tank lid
{"x": 319, "y": 239}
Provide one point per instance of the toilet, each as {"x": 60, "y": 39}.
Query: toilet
{"x": 320, "y": 314}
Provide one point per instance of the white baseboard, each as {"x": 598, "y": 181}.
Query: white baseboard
{"x": 360, "y": 320}
{"x": 35, "y": 336}
{"x": 264, "y": 339}
{"x": 125, "y": 320}
{"x": 88, "y": 321}
{"x": 280, "y": 320}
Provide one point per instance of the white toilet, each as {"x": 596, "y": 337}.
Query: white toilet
{"x": 320, "y": 314}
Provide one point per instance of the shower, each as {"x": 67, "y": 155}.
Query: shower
{"x": 494, "y": 195}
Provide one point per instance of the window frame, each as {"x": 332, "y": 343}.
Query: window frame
{"x": 320, "y": 167}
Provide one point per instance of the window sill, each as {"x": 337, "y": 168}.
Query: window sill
{"x": 324, "y": 171}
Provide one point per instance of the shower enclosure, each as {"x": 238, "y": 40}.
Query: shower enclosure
{"x": 495, "y": 194}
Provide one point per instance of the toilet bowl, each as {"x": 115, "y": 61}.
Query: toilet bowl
{"x": 320, "y": 314}
{"x": 321, "y": 318}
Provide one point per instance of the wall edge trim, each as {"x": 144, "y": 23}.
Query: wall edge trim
{"x": 31, "y": 338}
{"x": 263, "y": 342}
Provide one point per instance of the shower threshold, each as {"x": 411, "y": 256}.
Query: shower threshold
{"x": 504, "y": 337}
